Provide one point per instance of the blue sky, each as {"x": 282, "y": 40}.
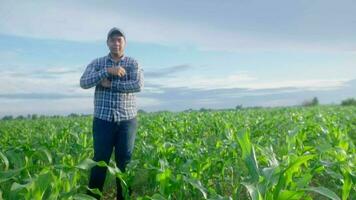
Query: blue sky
{"x": 194, "y": 53}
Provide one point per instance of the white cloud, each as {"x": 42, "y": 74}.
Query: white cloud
{"x": 89, "y": 22}
{"x": 58, "y": 106}
{"x": 65, "y": 80}
{"x": 66, "y": 20}
{"x": 45, "y": 106}
{"x": 145, "y": 102}
{"x": 50, "y": 80}
{"x": 279, "y": 102}
{"x": 317, "y": 84}
{"x": 66, "y": 83}
{"x": 245, "y": 80}
{"x": 153, "y": 90}
{"x": 203, "y": 82}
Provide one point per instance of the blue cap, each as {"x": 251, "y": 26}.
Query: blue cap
{"x": 116, "y": 31}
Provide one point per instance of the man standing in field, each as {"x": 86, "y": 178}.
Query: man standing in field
{"x": 116, "y": 78}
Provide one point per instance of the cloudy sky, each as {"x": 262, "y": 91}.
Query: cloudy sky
{"x": 211, "y": 54}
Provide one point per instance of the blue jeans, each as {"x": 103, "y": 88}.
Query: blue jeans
{"x": 106, "y": 136}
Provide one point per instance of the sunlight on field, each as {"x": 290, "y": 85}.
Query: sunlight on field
{"x": 277, "y": 153}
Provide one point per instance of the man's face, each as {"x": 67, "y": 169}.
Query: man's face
{"x": 116, "y": 44}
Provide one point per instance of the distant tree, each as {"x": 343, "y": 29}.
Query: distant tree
{"x": 141, "y": 111}
{"x": 43, "y": 116}
{"x": 7, "y": 117}
{"x": 34, "y": 116}
{"x": 73, "y": 115}
{"x": 205, "y": 110}
{"x": 238, "y": 107}
{"x": 189, "y": 110}
{"x": 20, "y": 117}
{"x": 313, "y": 102}
{"x": 349, "y": 102}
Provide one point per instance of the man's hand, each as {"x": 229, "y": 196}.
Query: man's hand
{"x": 116, "y": 71}
{"x": 105, "y": 83}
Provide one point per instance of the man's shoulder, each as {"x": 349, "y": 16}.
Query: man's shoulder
{"x": 129, "y": 59}
{"x": 130, "y": 62}
{"x": 100, "y": 59}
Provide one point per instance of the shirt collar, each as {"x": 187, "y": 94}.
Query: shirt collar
{"x": 110, "y": 58}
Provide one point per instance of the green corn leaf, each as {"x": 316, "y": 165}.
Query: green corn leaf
{"x": 290, "y": 195}
{"x": 288, "y": 172}
{"x": 47, "y": 154}
{"x": 323, "y": 191}
{"x": 5, "y": 160}
{"x": 6, "y": 175}
{"x": 95, "y": 191}
{"x": 253, "y": 191}
{"x": 248, "y": 154}
{"x": 346, "y": 187}
{"x": 157, "y": 197}
{"x": 42, "y": 182}
{"x": 197, "y": 184}
{"x": 86, "y": 164}
{"x": 296, "y": 164}
{"x": 17, "y": 186}
{"x": 83, "y": 197}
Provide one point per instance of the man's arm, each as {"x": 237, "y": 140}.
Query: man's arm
{"x": 91, "y": 77}
{"x": 133, "y": 84}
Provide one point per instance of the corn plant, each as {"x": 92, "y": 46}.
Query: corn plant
{"x": 269, "y": 154}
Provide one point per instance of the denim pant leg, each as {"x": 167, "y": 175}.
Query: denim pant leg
{"x": 103, "y": 138}
{"x": 124, "y": 144}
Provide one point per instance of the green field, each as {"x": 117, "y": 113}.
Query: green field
{"x": 270, "y": 153}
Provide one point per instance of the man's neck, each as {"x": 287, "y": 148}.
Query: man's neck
{"x": 116, "y": 57}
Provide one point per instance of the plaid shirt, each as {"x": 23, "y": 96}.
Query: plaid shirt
{"x": 118, "y": 102}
